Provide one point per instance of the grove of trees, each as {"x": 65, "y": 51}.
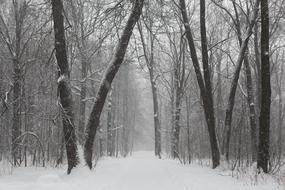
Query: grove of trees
{"x": 71, "y": 74}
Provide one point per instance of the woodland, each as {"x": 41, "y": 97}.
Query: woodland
{"x": 189, "y": 80}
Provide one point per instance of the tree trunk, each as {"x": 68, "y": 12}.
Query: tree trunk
{"x": 264, "y": 118}
{"x": 188, "y": 129}
{"x": 149, "y": 58}
{"x": 208, "y": 86}
{"x": 110, "y": 147}
{"x": 157, "y": 134}
{"x": 258, "y": 71}
{"x": 207, "y": 101}
{"x": 219, "y": 101}
{"x": 279, "y": 82}
{"x": 16, "y": 127}
{"x": 64, "y": 88}
{"x": 176, "y": 127}
{"x": 20, "y": 12}
{"x": 105, "y": 85}
{"x": 252, "y": 114}
{"x": 241, "y": 56}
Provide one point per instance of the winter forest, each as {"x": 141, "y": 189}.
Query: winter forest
{"x": 142, "y": 94}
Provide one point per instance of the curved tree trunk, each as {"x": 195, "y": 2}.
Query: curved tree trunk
{"x": 105, "y": 85}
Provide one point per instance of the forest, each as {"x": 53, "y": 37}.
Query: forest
{"x": 198, "y": 82}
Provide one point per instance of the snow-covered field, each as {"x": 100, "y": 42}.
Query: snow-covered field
{"x": 142, "y": 171}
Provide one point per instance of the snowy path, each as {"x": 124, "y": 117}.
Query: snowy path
{"x": 139, "y": 172}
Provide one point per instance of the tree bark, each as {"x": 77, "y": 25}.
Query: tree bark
{"x": 64, "y": 88}
{"x": 264, "y": 118}
{"x": 105, "y": 85}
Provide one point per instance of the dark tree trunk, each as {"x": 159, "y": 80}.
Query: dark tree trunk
{"x": 64, "y": 88}
{"x": 264, "y": 118}
{"x": 105, "y": 85}
{"x": 208, "y": 87}
{"x": 205, "y": 88}
{"x": 257, "y": 71}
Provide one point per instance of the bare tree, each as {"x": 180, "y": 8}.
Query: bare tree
{"x": 108, "y": 77}
{"x": 64, "y": 88}
{"x": 150, "y": 63}
{"x": 203, "y": 82}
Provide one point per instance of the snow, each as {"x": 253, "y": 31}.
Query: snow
{"x": 61, "y": 78}
{"x": 142, "y": 171}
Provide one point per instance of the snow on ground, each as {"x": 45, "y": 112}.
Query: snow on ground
{"x": 142, "y": 171}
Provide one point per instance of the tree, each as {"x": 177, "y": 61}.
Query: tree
{"x": 14, "y": 42}
{"x": 203, "y": 82}
{"x": 108, "y": 77}
{"x": 151, "y": 65}
{"x": 242, "y": 57}
{"x": 264, "y": 117}
{"x": 20, "y": 12}
{"x": 64, "y": 88}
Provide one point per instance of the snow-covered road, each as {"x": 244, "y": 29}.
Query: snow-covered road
{"x": 139, "y": 172}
